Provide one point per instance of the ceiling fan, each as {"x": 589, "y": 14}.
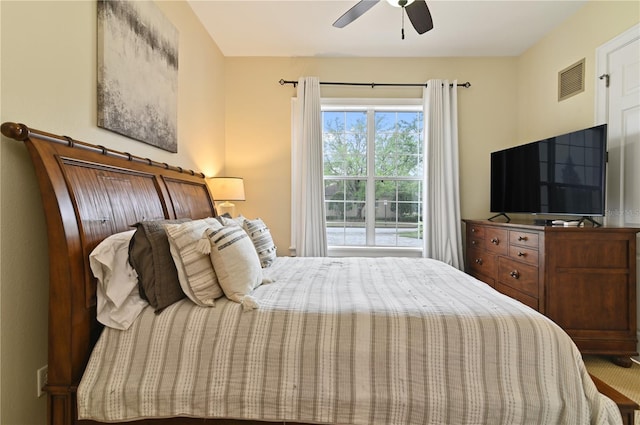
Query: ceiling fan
{"x": 417, "y": 11}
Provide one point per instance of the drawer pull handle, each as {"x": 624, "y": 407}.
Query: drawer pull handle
{"x": 495, "y": 241}
{"x": 479, "y": 261}
{"x": 521, "y": 254}
{"x": 522, "y": 238}
{"x": 515, "y": 274}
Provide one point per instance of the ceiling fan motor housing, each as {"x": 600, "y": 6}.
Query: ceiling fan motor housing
{"x": 399, "y": 3}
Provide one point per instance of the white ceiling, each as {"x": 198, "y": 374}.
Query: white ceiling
{"x": 294, "y": 28}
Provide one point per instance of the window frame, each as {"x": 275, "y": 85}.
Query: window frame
{"x": 374, "y": 104}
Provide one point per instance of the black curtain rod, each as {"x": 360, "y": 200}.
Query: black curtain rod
{"x": 372, "y": 85}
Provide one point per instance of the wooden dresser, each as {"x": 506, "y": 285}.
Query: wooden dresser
{"x": 583, "y": 278}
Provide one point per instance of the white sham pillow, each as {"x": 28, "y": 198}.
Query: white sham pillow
{"x": 195, "y": 271}
{"x": 118, "y": 299}
{"x": 236, "y": 263}
{"x": 227, "y": 220}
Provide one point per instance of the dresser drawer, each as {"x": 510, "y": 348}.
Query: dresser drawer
{"x": 497, "y": 240}
{"x": 481, "y": 261}
{"x": 475, "y": 231}
{"x": 473, "y": 242}
{"x": 517, "y": 275}
{"x": 486, "y": 279}
{"x": 521, "y": 253}
{"x": 517, "y": 295}
{"x": 520, "y": 238}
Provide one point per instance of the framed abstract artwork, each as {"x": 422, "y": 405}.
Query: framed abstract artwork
{"x": 138, "y": 72}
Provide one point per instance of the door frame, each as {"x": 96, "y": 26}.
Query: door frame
{"x": 602, "y": 53}
{"x": 602, "y": 111}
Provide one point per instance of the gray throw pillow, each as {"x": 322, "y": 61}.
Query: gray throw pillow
{"x": 150, "y": 256}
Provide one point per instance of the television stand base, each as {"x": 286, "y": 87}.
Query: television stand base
{"x": 499, "y": 215}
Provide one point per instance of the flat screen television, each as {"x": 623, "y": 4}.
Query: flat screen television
{"x": 561, "y": 175}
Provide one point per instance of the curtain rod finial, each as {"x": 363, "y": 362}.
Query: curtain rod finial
{"x": 283, "y": 82}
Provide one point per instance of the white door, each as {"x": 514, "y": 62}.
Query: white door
{"x": 618, "y": 105}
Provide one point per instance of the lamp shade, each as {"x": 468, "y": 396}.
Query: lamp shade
{"x": 227, "y": 188}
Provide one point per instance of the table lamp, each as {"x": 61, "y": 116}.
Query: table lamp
{"x": 226, "y": 189}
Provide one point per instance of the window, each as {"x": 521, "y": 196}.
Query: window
{"x": 373, "y": 174}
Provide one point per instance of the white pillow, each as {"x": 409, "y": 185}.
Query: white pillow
{"x": 236, "y": 263}
{"x": 262, "y": 241}
{"x": 118, "y": 298}
{"x": 195, "y": 272}
{"x": 227, "y": 220}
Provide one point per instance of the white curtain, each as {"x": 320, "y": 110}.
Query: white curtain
{"x": 308, "y": 235}
{"x": 441, "y": 209}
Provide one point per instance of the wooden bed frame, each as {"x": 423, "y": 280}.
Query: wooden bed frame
{"x": 90, "y": 192}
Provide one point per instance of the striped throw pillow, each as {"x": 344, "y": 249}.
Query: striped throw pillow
{"x": 262, "y": 241}
{"x": 236, "y": 263}
{"x": 195, "y": 271}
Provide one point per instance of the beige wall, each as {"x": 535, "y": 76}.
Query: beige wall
{"x": 539, "y": 112}
{"x": 48, "y": 74}
{"x": 258, "y": 120}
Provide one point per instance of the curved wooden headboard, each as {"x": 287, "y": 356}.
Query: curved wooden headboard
{"x": 90, "y": 192}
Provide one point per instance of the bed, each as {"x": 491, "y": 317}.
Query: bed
{"x": 322, "y": 340}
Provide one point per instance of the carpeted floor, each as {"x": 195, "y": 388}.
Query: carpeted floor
{"x": 625, "y": 380}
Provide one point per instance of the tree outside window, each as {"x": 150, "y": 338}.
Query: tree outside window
{"x": 373, "y": 159}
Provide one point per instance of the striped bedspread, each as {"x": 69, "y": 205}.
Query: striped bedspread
{"x": 347, "y": 341}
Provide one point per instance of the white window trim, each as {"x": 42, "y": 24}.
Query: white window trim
{"x": 377, "y": 104}
{"x": 397, "y": 104}
{"x": 373, "y": 251}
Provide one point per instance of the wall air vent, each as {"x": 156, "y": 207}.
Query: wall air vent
{"x": 571, "y": 80}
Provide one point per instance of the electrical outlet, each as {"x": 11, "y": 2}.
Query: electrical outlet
{"x": 42, "y": 376}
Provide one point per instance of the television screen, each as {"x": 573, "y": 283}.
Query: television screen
{"x": 559, "y": 175}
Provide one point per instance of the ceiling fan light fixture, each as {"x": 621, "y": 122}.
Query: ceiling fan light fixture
{"x": 416, "y": 10}
{"x": 400, "y": 3}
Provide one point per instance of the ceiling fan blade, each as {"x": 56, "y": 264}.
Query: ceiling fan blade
{"x": 354, "y": 13}
{"x": 419, "y": 15}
